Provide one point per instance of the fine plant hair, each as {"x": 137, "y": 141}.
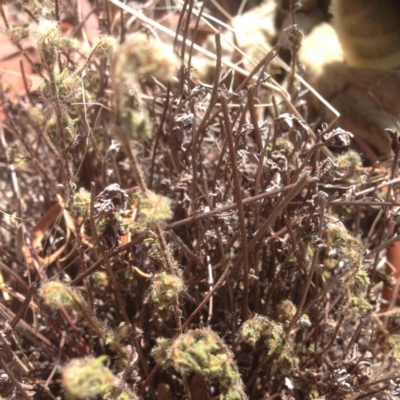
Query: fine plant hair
{"x": 165, "y": 236}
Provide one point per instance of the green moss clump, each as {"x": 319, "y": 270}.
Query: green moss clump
{"x": 203, "y": 351}
{"x": 68, "y": 125}
{"x": 359, "y": 282}
{"x": 162, "y": 352}
{"x": 105, "y": 47}
{"x": 17, "y": 33}
{"x": 67, "y": 86}
{"x": 262, "y": 327}
{"x": 350, "y": 246}
{"x": 348, "y": 162}
{"x": 286, "y": 312}
{"x": 133, "y": 124}
{"x": 56, "y": 295}
{"x": 164, "y": 288}
{"x": 393, "y": 345}
{"x": 154, "y": 209}
{"x": 82, "y": 202}
{"x": 88, "y": 377}
{"x": 48, "y": 41}
{"x": 356, "y": 307}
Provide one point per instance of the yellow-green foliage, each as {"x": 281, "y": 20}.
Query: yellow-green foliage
{"x": 105, "y": 47}
{"x": 350, "y": 246}
{"x": 122, "y": 332}
{"x": 162, "y": 352}
{"x": 144, "y": 56}
{"x": 133, "y": 124}
{"x": 154, "y": 209}
{"x": 304, "y": 320}
{"x": 17, "y": 33}
{"x": 349, "y": 161}
{"x": 199, "y": 351}
{"x": 48, "y": 41}
{"x": 56, "y": 295}
{"x": 285, "y": 359}
{"x": 37, "y": 116}
{"x": 164, "y": 287}
{"x": 286, "y": 311}
{"x": 393, "y": 344}
{"x": 68, "y": 126}
{"x": 203, "y": 351}
{"x": 16, "y": 155}
{"x": 262, "y": 327}
{"x": 82, "y": 202}
{"x": 273, "y": 334}
{"x": 115, "y": 338}
{"x": 67, "y": 85}
{"x": 87, "y": 377}
{"x": 356, "y": 307}
{"x": 284, "y": 145}
{"x": 359, "y": 282}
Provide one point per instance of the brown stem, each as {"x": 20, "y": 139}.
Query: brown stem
{"x": 104, "y": 255}
{"x": 233, "y": 206}
{"x": 239, "y": 202}
{"x": 314, "y": 263}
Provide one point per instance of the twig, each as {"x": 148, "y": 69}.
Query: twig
{"x": 195, "y": 46}
{"x": 314, "y": 263}
{"x": 239, "y": 202}
{"x": 24, "y": 306}
{"x": 11, "y": 375}
{"x": 277, "y": 211}
{"x": 93, "y": 268}
{"x": 104, "y": 255}
{"x": 158, "y": 135}
{"x": 249, "y": 200}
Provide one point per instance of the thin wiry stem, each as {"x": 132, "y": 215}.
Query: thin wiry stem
{"x": 233, "y": 206}
{"x": 314, "y": 263}
{"x": 104, "y": 255}
{"x": 63, "y": 151}
{"x": 294, "y": 191}
{"x": 12, "y": 376}
{"x": 239, "y": 202}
